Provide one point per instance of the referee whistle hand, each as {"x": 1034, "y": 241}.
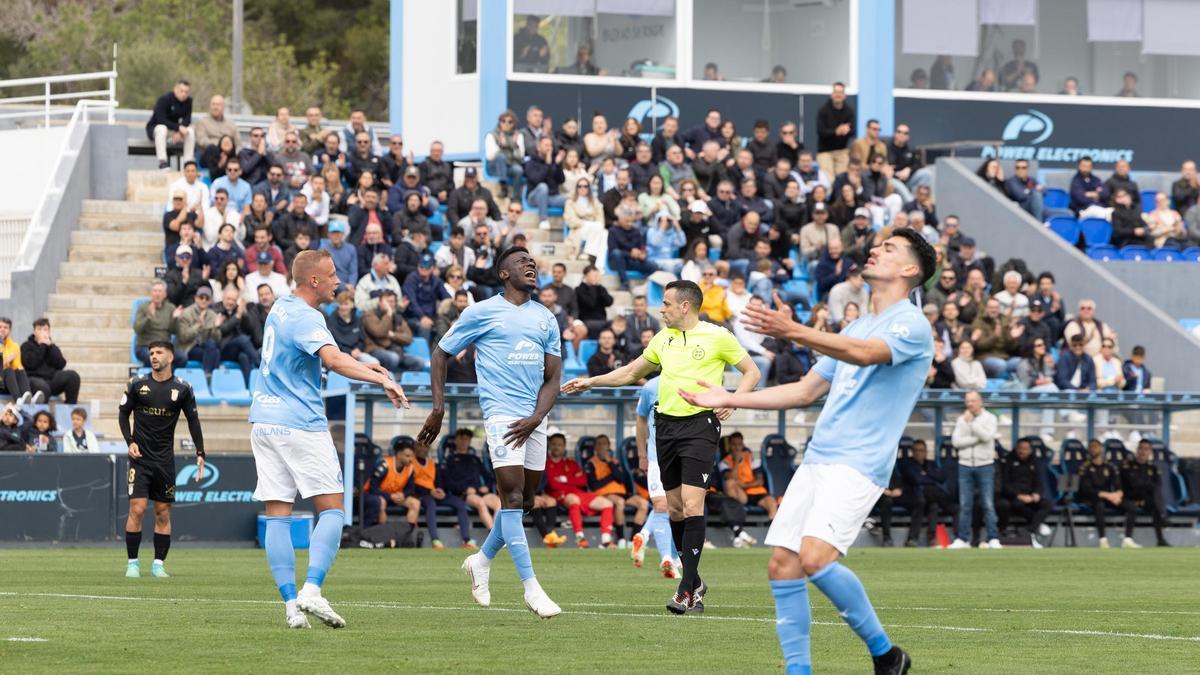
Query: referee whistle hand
{"x": 134, "y": 452}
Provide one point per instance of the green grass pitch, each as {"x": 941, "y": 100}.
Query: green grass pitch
{"x": 1011, "y": 611}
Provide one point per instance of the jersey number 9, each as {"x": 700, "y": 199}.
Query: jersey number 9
{"x": 268, "y": 350}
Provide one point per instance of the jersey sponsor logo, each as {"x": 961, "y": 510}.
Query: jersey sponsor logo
{"x": 265, "y": 431}
{"x": 267, "y": 399}
{"x": 698, "y": 353}
{"x": 320, "y": 334}
{"x": 525, "y": 352}
{"x": 899, "y": 330}
{"x": 144, "y": 390}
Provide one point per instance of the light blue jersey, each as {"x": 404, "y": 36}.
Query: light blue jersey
{"x": 288, "y": 389}
{"x": 511, "y": 344}
{"x": 867, "y": 407}
{"x": 647, "y": 397}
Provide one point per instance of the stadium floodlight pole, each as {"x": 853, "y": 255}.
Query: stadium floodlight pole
{"x": 238, "y": 19}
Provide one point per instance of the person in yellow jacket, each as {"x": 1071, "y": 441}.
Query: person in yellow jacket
{"x": 13, "y": 379}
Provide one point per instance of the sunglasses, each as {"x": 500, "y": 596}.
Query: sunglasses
{"x": 184, "y": 256}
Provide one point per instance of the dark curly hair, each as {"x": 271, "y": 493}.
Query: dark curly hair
{"x": 922, "y": 251}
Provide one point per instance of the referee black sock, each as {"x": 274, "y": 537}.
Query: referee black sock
{"x": 677, "y": 534}
{"x": 162, "y": 544}
{"x": 693, "y": 546}
{"x": 133, "y": 541}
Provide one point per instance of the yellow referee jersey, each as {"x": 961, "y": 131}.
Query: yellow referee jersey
{"x": 686, "y": 356}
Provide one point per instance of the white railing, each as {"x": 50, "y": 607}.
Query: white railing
{"x": 43, "y": 217}
{"x": 48, "y": 96}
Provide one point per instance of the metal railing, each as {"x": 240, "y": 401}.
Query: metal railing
{"x": 48, "y": 96}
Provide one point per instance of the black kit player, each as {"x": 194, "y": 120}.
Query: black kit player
{"x": 155, "y": 400}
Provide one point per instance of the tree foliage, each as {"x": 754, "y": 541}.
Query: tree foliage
{"x": 296, "y": 53}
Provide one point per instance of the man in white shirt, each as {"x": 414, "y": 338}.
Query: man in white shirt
{"x": 195, "y": 189}
{"x": 370, "y": 288}
{"x": 218, "y": 214}
{"x": 974, "y": 438}
{"x": 318, "y": 200}
{"x": 265, "y": 275}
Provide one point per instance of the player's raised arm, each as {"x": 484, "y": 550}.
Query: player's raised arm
{"x": 626, "y": 374}
{"x": 780, "y": 397}
{"x": 346, "y": 365}
{"x": 779, "y": 323}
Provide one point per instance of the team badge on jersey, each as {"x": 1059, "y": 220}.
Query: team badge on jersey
{"x": 698, "y": 353}
{"x": 174, "y": 395}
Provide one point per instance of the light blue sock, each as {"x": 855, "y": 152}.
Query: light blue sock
{"x": 846, "y": 593}
{"x": 793, "y": 624}
{"x": 280, "y": 555}
{"x": 494, "y": 542}
{"x": 514, "y": 537}
{"x": 663, "y": 540}
{"x": 326, "y": 538}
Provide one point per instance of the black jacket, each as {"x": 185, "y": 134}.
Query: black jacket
{"x": 358, "y": 218}
{"x": 1019, "y": 477}
{"x": 660, "y": 144}
{"x": 828, "y": 120}
{"x": 920, "y": 475}
{"x": 1094, "y": 479}
{"x": 41, "y": 360}
{"x": 367, "y": 253}
{"x": 285, "y": 227}
{"x": 406, "y": 256}
{"x": 564, "y": 142}
{"x": 766, "y": 154}
{"x": 437, "y": 176}
{"x": 459, "y": 203}
{"x": 1141, "y": 481}
{"x": 1124, "y": 222}
{"x": 254, "y": 166}
{"x": 171, "y": 113}
{"x": 254, "y": 321}
{"x": 179, "y": 292}
{"x": 592, "y": 302}
{"x": 537, "y": 171}
{"x": 347, "y": 334}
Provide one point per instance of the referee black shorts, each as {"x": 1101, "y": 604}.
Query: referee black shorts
{"x": 152, "y": 480}
{"x": 687, "y": 448}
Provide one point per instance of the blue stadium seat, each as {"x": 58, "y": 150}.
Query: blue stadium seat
{"x": 228, "y": 385}
{"x": 1136, "y": 253}
{"x": 795, "y": 286}
{"x": 415, "y": 378}
{"x": 586, "y": 349}
{"x": 1103, "y": 253}
{"x": 1096, "y": 231}
{"x": 779, "y": 463}
{"x": 994, "y": 384}
{"x": 905, "y": 447}
{"x": 419, "y": 348}
{"x": 336, "y": 384}
{"x": 571, "y": 364}
{"x": 1071, "y": 456}
{"x": 195, "y": 377}
{"x": 585, "y": 447}
{"x": 1190, "y": 254}
{"x": 1167, "y": 254}
{"x": 445, "y": 449}
{"x": 1148, "y": 200}
{"x": 1055, "y": 198}
{"x": 627, "y": 453}
{"x": 1067, "y": 228}
{"x": 654, "y": 294}
{"x": 1115, "y": 451}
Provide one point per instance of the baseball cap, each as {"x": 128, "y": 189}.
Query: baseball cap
{"x": 819, "y": 206}
{"x": 1037, "y": 304}
{"x": 426, "y": 260}
{"x": 471, "y": 172}
{"x": 862, "y": 212}
{"x": 967, "y": 241}
{"x": 264, "y": 257}
{"x": 179, "y": 194}
{"x": 698, "y": 206}
{"x": 183, "y": 250}
{"x": 204, "y": 291}
{"x": 337, "y": 226}
{"x": 412, "y": 171}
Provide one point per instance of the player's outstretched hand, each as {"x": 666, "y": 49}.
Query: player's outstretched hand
{"x": 577, "y": 385}
{"x": 395, "y": 394}
{"x": 519, "y": 431}
{"x": 712, "y": 397}
{"x": 432, "y": 427}
{"x": 774, "y": 322}
{"x": 134, "y": 452}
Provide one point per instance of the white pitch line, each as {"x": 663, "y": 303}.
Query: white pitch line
{"x": 26, "y": 639}
{"x": 633, "y": 615}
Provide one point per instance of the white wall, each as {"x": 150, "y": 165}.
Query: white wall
{"x": 622, "y": 39}
{"x": 811, "y": 42}
{"x": 33, "y": 154}
{"x": 437, "y": 103}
